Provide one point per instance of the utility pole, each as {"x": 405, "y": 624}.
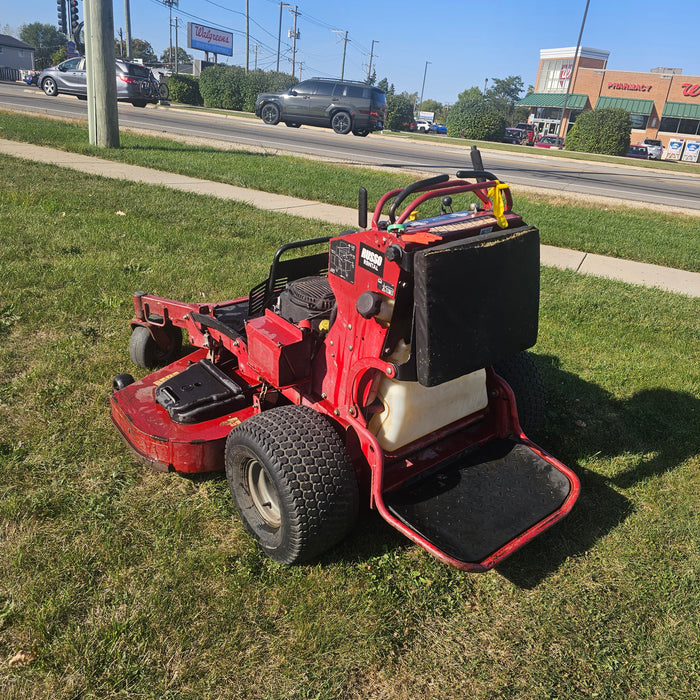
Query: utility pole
{"x": 279, "y": 35}
{"x": 127, "y": 26}
{"x": 256, "y": 47}
{"x": 371, "y": 56}
{"x": 169, "y": 3}
{"x": 247, "y": 35}
{"x": 295, "y": 36}
{"x": 345, "y": 46}
{"x": 103, "y": 119}
{"x": 176, "y": 61}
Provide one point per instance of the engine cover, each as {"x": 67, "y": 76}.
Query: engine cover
{"x": 308, "y": 298}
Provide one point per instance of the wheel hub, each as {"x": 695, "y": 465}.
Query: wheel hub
{"x": 263, "y": 493}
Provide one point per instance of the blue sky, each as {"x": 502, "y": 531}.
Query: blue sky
{"x": 466, "y": 42}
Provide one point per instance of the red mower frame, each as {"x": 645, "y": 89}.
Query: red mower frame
{"x": 380, "y": 366}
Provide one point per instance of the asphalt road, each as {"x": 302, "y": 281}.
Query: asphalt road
{"x": 532, "y": 169}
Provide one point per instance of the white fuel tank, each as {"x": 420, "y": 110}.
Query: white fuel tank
{"x": 412, "y": 410}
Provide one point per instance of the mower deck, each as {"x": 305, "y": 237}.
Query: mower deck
{"x": 160, "y": 441}
{"x": 481, "y": 501}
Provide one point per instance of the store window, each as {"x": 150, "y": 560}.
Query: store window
{"x": 673, "y": 125}
{"x": 555, "y": 75}
{"x": 639, "y": 121}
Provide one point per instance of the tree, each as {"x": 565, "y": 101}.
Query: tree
{"x": 140, "y": 49}
{"x": 384, "y": 85}
{"x": 182, "y": 56}
{"x": 475, "y": 120}
{"x": 503, "y": 94}
{"x": 601, "y": 131}
{"x": 473, "y": 94}
{"x": 435, "y": 107}
{"x": 44, "y": 38}
{"x": 399, "y": 112}
{"x": 59, "y": 56}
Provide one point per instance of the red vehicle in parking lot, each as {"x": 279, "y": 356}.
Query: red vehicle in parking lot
{"x": 529, "y": 129}
{"x": 550, "y": 142}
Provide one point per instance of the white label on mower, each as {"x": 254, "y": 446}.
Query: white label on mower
{"x": 371, "y": 260}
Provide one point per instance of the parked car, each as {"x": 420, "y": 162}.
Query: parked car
{"x": 636, "y": 150}
{"x": 135, "y": 83}
{"x": 344, "y": 106}
{"x": 423, "y": 126}
{"x": 550, "y": 142}
{"x": 530, "y": 130}
{"x": 514, "y": 135}
{"x": 31, "y": 77}
{"x": 439, "y": 129}
{"x": 655, "y": 148}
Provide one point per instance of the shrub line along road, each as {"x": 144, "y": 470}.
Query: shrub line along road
{"x": 679, "y": 281}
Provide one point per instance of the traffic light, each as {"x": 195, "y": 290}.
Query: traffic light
{"x": 74, "y": 21}
{"x": 62, "y": 22}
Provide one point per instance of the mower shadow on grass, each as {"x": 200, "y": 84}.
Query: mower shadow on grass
{"x": 652, "y": 431}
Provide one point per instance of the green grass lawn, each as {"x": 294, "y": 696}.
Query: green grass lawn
{"x": 634, "y": 234}
{"x": 130, "y": 583}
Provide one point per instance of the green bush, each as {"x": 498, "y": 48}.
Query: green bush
{"x": 257, "y": 81}
{"x": 399, "y": 113}
{"x": 184, "y": 89}
{"x": 230, "y": 87}
{"x": 475, "y": 120}
{"x": 604, "y": 131}
{"x": 220, "y": 87}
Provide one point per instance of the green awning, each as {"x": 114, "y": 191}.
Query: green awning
{"x": 630, "y": 105}
{"x": 554, "y": 99}
{"x": 682, "y": 110}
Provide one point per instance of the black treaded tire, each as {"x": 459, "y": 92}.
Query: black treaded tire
{"x": 292, "y": 481}
{"x": 525, "y": 380}
{"x": 360, "y": 132}
{"x": 341, "y": 122}
{"x": 146, "y": 353}
{"x": 121, "y": 381}
{"x": 270, "y": 113}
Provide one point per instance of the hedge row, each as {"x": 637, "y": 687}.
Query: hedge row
{"x": 227, "y": 87}
{"x": 230, "y": 87}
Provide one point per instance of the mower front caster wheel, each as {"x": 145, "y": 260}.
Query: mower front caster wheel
{"x": 292, "y": 481}
{"x": 121, "y": 381}
{"x": 145, "y": 351}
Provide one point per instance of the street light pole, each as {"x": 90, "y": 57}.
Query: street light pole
{"x": 571, "y": 75}
{"x": 423, "y": 87}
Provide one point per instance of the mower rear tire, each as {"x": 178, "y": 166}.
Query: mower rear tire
{"x": 145, "y": 351}
{"x": 525, "y": 380}
{"x": 292, "y": 481}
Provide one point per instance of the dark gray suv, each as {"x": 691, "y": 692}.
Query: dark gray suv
{"x": 343, "y": 106}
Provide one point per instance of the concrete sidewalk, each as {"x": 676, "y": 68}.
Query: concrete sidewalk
{"x": 679, "y": 281}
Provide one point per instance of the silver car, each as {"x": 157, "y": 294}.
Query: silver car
{"x": 135, "y": 83}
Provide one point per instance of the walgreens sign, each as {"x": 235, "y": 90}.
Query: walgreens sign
{"x": 209, "y": 39}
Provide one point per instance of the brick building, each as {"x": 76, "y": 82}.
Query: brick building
{"x": 663, "y": 103}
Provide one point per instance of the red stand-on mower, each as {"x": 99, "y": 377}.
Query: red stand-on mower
{"x": 392, "y": 364}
